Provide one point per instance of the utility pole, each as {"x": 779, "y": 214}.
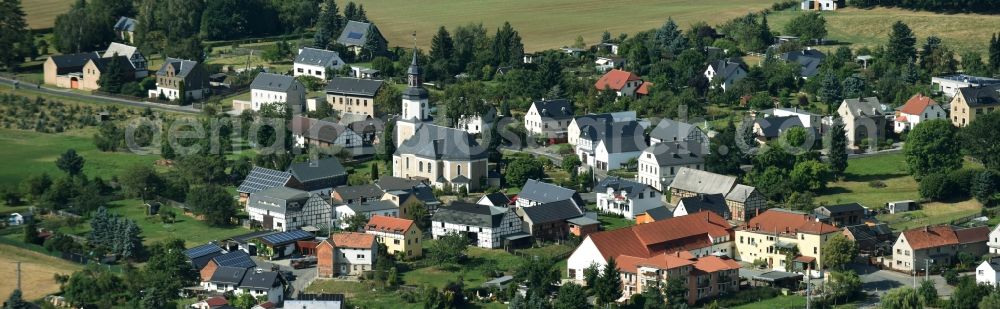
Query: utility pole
{"x": 927, "y": 269}
{"x": 808, "y": 298}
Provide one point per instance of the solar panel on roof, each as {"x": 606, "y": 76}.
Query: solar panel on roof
{"x": 235, "y": 259}
{"x": 202, "y": 250}
{"x": 261, "y": 179}
{"x": 354, "y": 35}
{"x": 285, "y": 237}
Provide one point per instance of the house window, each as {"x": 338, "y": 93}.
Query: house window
{"x": 300, "y": 70}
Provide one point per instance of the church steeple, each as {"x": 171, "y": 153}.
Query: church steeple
{"x": 415, "y": 98}
{"x": 414, "y": 71}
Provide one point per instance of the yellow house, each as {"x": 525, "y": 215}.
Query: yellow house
{"x": 779, "y": 236}
{"x": 400, "y": 236}
{"x": 972, "y": 102}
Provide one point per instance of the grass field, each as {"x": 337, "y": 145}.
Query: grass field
{"x": 546, "y": 24}
{"x": 42, "y": 13}
{"x": 192, "y": 231}
{"x": 780, "y": 302}
{"x": 871, "y": 27}
{"x": 37, "y": 271}
{"x": 27, "y": 153}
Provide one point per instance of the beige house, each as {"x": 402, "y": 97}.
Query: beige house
{"x": 918, "y": 248}
{"x": 66, "y": 71}
{"x": 864, "y": 119}
{"x": 95, "y": 68}
{"x": 353, "y": 95}
{"x": 179, "y": 73}
{"x": 776, "y": 235}
{"x": 744, "y": 201}
{"x": 971, "y": 102}
{"x": 400, "y": 236}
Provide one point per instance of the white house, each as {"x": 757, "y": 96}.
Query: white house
{"x": 994, "y": 241}
{"x": 366, "y": 209}
{"x": 604, "y": 64}
{"x": 315, "y": 62}
{"x": 549, "y": 118}
{"x": 573, "y": 131}
{"x": 623, "y": 83}
{"x": 608, "y": 146}
{"x": 949, "y": 85}
{"x": 706, "y": 202}
{"x": 269, "y": 88}
{"x": 818, "y": 5}
{"x": 988, "y": 272}
{"x": 659, "y": 163}
{"x": 346, "y": 254}
{"x": 699, "y": 235}
{"x": 135, "y": 57}
{"x": 535, "y": 192}
{"x": 669, "y": 130}
{"x": 498, "y": 199}
{"x": 725, "y": 73}
{"x": 917, "y": 109}
{"x": 284, "y": 209}
{"x": 624, "y": 197}
{"x": 313, "y": 132}
{"x": 262, "y": 284}
{"x": 475, "y": 124}
{"x": 808, "y": 120}
{"x": 484, "y": 226}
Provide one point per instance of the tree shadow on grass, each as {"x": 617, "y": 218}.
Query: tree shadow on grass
{"x": 871, "y": 177}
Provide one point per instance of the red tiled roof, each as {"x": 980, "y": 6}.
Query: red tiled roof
{"x": 615, "y": 79}
{"x": 805, "y": 259}
{"x": 901, "y": 118}
{"x": 388, "y": 224}
{"x": 267, "y": 305}
{"x": 644, "y": 88}
{"x": 668, "y": 260}
{"x": 783, "y": 221}
{"x": 971, "y": 235}
{"x": 352, "y": 240}
{"x": 669, "y": 235}
{"x": 917, "y": 104}
{"x": 216, "y": 301}
{"x": 711, "y": 264}
{"x": 306, "y": 244}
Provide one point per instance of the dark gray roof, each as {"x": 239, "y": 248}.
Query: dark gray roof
{"x": 263, "y": 178}
{"x": 631, "y": 188}
{"x": 125, "y": 24}
{"x": 672, "y": 154}
{"x": 773, "y": 126}
{"x": 283, "y": 193}
{"x": 202, "y": 250}
{"x": 726, "y": 69}
{"x": 497, "y": 198}
{"x": 236, "y": 258}
{"x": 260, "y": 280}
{"x": 809, "y": 59}
{"x": 355, "y": 33}
{"x": 353, "y": 86}
{"x": 315, "y": 129}
{"x": 317, "y": 169}
{"x": 618, "y": 137}
{"x": 849, "y": 207}
{"x": 244, "y": 238}
{"x": 865, "y": 107}
{"x": 660, "y": 213}
{"x": 706, "y": 202}
{"x": 275, "y": 82}
{"x": 740, "y": 193}
{"x": 200, "y": 262}
{"x": 228, "y": 275}
{"x": 317, "y": 57}
{"x": 181, "y": 67}
{"x": 583, "y": 221}
{"x": 370, "y": 206}
{"x": 864, "y": 235}
{"x": 543, "y": 192}
{"x": 437, "y": 142}
{"x": 359, "y": 191}
{"x": 982, "y": 95}
{"x": 470, "y": 214}
{"x": 123, "y": 63}
{"x": 551, "y": 212}
{"x": 554, "y": 109}
{"x": 74, "y": 60}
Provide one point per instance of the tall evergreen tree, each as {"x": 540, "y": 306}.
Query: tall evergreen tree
{"x": 351, "y": 11}
{"x": 442, "y": 46}
{"x": 609, "y": 284}
{"x": 329, "y": 24}
{"x": 113, "y": 76}
{"x": 16, "y": 301}
{"x": 829, "y": 90}
{"x": 14, "y": 35}
{"x": 902, "y": 44}
{"x": 507, "y": 47}
{"x": 669, "y": 38}
{"x": 837, "y": 151}
{"x": 994, "y": 55}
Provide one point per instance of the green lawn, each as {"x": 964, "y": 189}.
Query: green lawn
{"x": 780, "y": 302}
{"x": 887, "y": 168}
{"x": 192, "y": 231}
{"x": 871, "y": 27}
{"x": 27, "y": 153}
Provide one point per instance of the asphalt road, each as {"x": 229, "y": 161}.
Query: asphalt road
{"x": 300, "y": 280}
{"x": 28, "y": 87}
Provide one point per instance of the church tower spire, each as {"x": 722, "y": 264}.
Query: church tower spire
{"x": 415, "y": 106}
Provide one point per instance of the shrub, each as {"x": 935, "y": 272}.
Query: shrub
{"x": 963, "y": 181}
{"x": 876, "y": 184}
{"x": 937, "y": 187}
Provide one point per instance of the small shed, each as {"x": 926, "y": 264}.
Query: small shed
{"x": 901, "y": 206}
{"x": 772, "y": 278}
{"x": 18, "y": 219}
{"x": 283, "y": 244}
{"x": 152, "y": 208}
{"x": 499, "y": 282}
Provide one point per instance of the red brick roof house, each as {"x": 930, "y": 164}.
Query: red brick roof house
{"x": 917, "y": 248}
{"x": 623, "y": 83}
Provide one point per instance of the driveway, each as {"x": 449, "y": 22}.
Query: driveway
{"x": 301, "y": 279}
{"x": 29, "y": 87}
{"x": 878, "y": 282}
